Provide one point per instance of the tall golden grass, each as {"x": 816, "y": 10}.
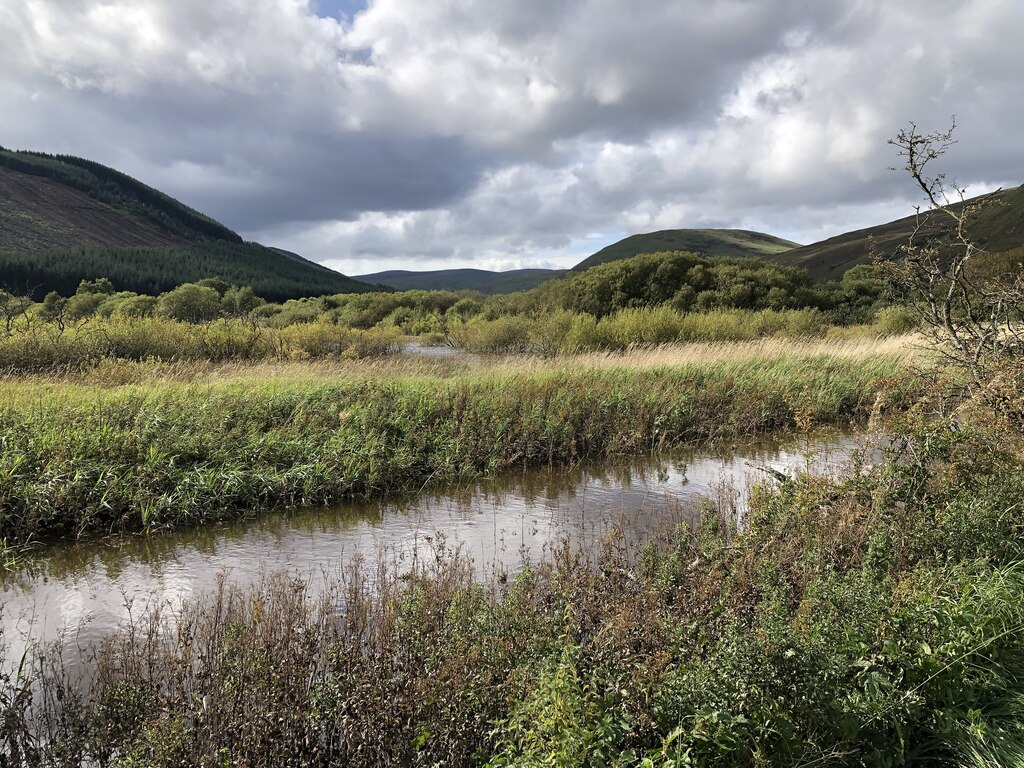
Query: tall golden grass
{"x": 899, "y": 350}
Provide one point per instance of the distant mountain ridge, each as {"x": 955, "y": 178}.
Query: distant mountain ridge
{"x": 725, "y": 243}
{"x": 482, "y": 280}
{"x": 1000, "y": 228}
{"x": 64, "y": 219}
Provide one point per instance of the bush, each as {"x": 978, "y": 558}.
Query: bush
{"x": 190, "y": 303}
{"x": 136, "y": 306}
{"x": 506, "y": 335}
{"x": 894, "y": 321}
{"x": 322, "y": 339}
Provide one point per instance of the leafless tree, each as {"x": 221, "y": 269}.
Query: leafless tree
{"x": 975, "y": 319}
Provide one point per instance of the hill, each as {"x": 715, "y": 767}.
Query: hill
{"x": 726, "y": 243}
{"x": 64, "y": 219}
{"x": 481, "y": 280}
{"x": 997, "y": 229}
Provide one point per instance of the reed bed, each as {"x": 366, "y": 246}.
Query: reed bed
{"x": 192, "y": 443}
{"x": 901, "y": 350}
{"x": 50, "y": 349}
{"x": 910, "y": 350}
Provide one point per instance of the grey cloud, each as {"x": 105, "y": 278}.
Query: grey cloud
{"x": 497, "y": 132}
{"x": 255, "y": 159}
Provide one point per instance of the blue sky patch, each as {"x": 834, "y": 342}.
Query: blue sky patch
{"x": 338, "y": 8}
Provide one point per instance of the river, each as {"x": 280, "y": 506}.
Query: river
{"x": 81, "y": 591}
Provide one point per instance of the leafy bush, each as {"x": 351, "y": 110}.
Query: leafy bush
{"x": 506, "y": 335}
{"x": 190, "y": 303}
{"x": 135, "y": 306}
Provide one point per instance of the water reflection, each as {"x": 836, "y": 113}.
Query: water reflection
{"x": 90, "y": 587}
{"x": 435, "y": 351}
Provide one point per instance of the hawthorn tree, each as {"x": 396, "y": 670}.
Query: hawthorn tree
{"x": 973, "y": 316}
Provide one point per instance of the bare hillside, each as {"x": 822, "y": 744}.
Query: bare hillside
{"x": 37, "y": 213}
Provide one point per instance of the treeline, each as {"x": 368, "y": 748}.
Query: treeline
{"x": 681, "y": 282}
{"x": 689, "y": 282}
{"x": 652, "y": 298}
{"x": 154, "y": 270}
{"x": 119, "y": 191}
{"x": 208, "y": 321}
{"x": 644, "y": 301}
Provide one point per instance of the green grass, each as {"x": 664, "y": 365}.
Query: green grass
{"x": 80, "y": 458}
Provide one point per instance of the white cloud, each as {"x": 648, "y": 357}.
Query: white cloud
{"x": 457, "y": 133}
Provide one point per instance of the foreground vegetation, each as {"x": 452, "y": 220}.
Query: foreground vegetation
{"x": 81, "y": 457}
{"x": 873, "y": 620}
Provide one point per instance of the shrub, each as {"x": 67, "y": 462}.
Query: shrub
{"x": 893, "y": 321}
{"x": 190, "y": 303}
{"x": 505, "y": 335}
{"x": 136, "y": 306}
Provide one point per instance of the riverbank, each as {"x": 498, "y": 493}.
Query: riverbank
{"x": 874, "y": 619}
{"x": 72, "y": 592}
{"x": 135, "y": 447}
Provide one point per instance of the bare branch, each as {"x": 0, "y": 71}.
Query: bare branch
{"x": 976, "y": 322}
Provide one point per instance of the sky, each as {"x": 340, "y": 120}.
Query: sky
{"x": 433, "y": 134}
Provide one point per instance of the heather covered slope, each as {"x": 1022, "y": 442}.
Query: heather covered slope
{"x": 726, "y": 243}
{"x": 999, "y": 228}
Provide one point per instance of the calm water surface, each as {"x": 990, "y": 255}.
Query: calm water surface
{"x": 87, "y": 588}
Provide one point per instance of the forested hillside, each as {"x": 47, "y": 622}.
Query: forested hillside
{"x": 153, "y": 270}
{"x": 118, "y": 191}
{"x": 65, "y": 219}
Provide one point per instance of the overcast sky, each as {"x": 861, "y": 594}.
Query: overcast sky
{"x": 426, "y": 134}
